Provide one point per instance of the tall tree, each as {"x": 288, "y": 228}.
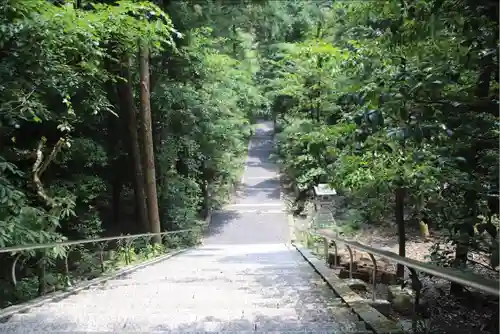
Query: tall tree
{"x": 127, "y": 106}
{"x": 146, "y": 132}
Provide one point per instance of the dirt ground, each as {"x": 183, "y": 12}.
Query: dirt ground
{"x": 468, "y": 314}
{"x": 417, "y": 248}
{"x": 471, "y": 313}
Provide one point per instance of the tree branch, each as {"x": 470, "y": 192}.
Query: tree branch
{"x": 52, "y": 156}
{"x": 41, "y": 165}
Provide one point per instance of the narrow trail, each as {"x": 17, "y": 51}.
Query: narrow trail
{"x": 257, "y": 213}
{"x": 244, "y": 278}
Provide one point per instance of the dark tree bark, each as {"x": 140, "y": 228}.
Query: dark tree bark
{"x": 400, "y": 221}
{"x": 146, "y": 134}
{"x": 113, "y": 148}
{"x": 127, "y": 106}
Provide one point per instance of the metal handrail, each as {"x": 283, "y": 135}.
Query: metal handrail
{"x": 453, "y": 275}
{"x": 14, "y": 249}
{"x": 102, "y": 242}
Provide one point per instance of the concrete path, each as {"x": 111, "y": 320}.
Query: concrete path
{"x": 256, "y": 214}
{"x": 245, "y": 278}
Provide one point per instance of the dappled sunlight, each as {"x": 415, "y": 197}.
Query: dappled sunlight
{"x": 228, "y": 287}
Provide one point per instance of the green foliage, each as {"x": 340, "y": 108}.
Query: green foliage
{"x": 405, "y": 97}
{"x": 368, "y": 96}
{"x": 65, "y": 158}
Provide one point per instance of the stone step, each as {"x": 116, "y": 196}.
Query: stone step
{"x": 257, "y": 205}
{"x": 249, "y": 284}
{"x": 260, "y": 211}
{"x": 305, "y": 305}
{"x": 272, "y": 297}
{"x": 260, "y": 183}
{"x": 254, "y": 171}
{"x": 260, "y": 202}
{"x": 257, "y": 178}
{"x": 166, "y": 313}
{"x": 324, "y": 214}
{"x": 261, "y": 143}
{"x": 160, "y": 322}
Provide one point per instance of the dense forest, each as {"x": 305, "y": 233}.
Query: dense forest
{"x": 395, "y": 104}
{"x": 117, "y": 117}
{"x": 125, "y": 117}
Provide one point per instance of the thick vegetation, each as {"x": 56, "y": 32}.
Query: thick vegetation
{"x": 395, "y": 104}
{"x": 126, "y": 116}
{"x": 116, "y": 117}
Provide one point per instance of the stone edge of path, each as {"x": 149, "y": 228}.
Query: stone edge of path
{"x": 375, "y": 320}
{"x": 291, "y": 230}
{"x": 7, "y": 312}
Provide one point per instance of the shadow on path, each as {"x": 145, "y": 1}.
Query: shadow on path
{"x": 270, "y": 166}
{"x": 262, "y": 195}
{"x": 284, "y": 297}
{"x": 257, "y": 227}
{"x": 265, "y": 183}
{"x": 219, "y": 220}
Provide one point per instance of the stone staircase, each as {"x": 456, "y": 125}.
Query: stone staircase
{"x": 245, "y": 288}
{"x": 245, "y": 278}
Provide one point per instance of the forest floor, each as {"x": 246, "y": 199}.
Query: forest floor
{"x": 467, "y": 314}
{"x": 417, "y": 247}
{"x": 470, "y": 313}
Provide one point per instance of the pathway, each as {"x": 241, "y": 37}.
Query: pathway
{"x": 256, "y": 215}
{"x": 245, "y": 278}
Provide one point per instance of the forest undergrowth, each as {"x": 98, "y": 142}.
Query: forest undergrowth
{"x": 123, "y": 117}
{"x": 117, "y": 117}
{"x": 395, "y": 105}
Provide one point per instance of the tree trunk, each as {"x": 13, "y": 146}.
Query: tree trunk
{"x": 42, "y": 283}
{"x": 400, "y": 221}
{"x": 147, "y": 134}
{"x": 235, "y": 48}
{"x": 204, "y": 192}
{"x": 39, "y": 167}
{"x": 465, "y": 234}
{"x": 117, "y": 186}
{"x": 460, "y": 261}
{"x": 114, "y": 149}
{"x": 127, "y": 106}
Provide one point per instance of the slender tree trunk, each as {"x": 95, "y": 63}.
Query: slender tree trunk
{"x": 42, "y": 283}
{"x": 113, "y": 147}
{"x": 117, "y": 187}
{"x": 400, "y": 222}
{"x": 465, "y": 232}
{"x": 147, "y": 134}
{"x": 127, "y": 106}
{"x": 235, "y": 48}
{"x": 203, "y": 182}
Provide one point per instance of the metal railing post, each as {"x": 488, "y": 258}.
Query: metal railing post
{"x": 486, "y": 285}
{"x": 351, "y": 260}
{"x": 122, "y": 241}
{"x": 326, "y": 249}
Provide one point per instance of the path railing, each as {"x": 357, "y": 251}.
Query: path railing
{"x": 328, "y": 237}
{"x": 471, "y": 280}
{"x": 89, "y": 258}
